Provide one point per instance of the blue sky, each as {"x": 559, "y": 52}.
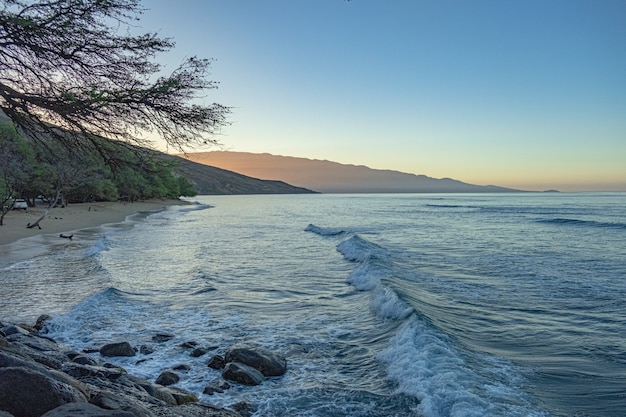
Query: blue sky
{"x": 525, "y": 94}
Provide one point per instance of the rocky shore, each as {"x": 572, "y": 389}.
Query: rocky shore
{"x": 42, "y": 378}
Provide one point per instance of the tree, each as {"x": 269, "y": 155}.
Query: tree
{"x": 70, "y": 70}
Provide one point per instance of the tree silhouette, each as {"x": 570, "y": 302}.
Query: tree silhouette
{"x": 72, "y": 71}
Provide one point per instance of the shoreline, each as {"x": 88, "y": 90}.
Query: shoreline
{"x": 65, "y": 220}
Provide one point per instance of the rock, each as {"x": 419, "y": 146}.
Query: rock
{"x": 112, "y": 401}
{"x": 81, "y": 371}
{"x": 162, "y": 337}
{"x": 216, "y": 362}
{"x": 217, "y": 385}
{"x": 40, "y": 324}
{"x": 14, "y": 360}
{"x": 85, "y": 410}
{"x": 182, "y": 396}
{"x": 146, "y": 350}
{"x": 12, "y": 329}
{"x": 167, "y": 378}
{"x": 29, "y": 393}
{"x": 83, "y": 360}
{"x": 242, "y": 373}
{"x": 197, "y": 352}
{"x": 266, "y": 362}
{"x": 188, "y": 345}
{"x": 117, "y": 349}
{"x": 182, "y": 367}
{"x": 244, "y": 409}
{"x": 164, "y": 394}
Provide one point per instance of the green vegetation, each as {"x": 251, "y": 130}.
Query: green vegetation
{"x": 32, "y": 169}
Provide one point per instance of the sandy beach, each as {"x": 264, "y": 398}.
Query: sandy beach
{"x": 73, "y": 217}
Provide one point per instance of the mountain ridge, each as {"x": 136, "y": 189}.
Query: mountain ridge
{"x": 333, "y": 177}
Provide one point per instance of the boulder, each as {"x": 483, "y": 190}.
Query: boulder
{"x": 112, "y": 401}
{"x": 167, "y": 378}
{"x": 117, "y": 349}
{"x": 182, "y": 367}
{"x": 83, "y": 360}
{"x": 12, "y": 329}
{"x": 217, "y": 385}
{"x": 182, "y": 397}
{"x": 29, "y": 393}
{"x": 263, "y": 360}
{"x": 85, "y": 410}
{"x": 216, "y": 362}
{"x": 146, "y": 350}
{"x": 42, "y": 321}
{"x": 197, "y": 352}
{"x": 162, "y": 337}
{"x": 242, "y": 373}
{"x": 244, "y": 409}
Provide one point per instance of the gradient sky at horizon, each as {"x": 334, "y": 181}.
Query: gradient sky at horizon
{"x": 528, "y": 95}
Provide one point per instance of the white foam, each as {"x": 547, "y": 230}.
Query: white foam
{"x": 426, "y": 365}
{"x": 322, "y": 231}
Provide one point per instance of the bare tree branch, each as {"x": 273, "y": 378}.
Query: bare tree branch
{"x": 67, "y": 71}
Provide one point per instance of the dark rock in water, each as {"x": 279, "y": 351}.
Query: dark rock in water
{"x": 162, "y": 337}
{"x": 216, "y": 362}
{"x": 197, "y": 352}
{"x": 242, "y": 373}
{"x": 85, "y": 410}
{"x": 266, "y": 362}
{"x": 40, "y": 324}
{"x": 117, "y": 349}
{"x": 217, "y": 385}
{"x": 29, "y": 393}
{"x": 244, "y": 409}
{"x": 182, "y": 367}
{"x": 146, "y": 350}
{"x": 188, "y": 345}
{"x": 167, "y": 378}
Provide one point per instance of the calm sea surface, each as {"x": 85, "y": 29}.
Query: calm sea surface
{"x": 385, "y": 305}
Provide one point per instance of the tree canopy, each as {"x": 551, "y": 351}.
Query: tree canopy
{"x": 71, "y": 69}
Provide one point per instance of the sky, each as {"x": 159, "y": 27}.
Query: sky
{"x": 524, "y": 94}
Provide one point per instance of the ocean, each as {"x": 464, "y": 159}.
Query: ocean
{"x": 385, "y": 305}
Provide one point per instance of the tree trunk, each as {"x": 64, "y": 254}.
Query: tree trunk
{"x": 45, "y": 213}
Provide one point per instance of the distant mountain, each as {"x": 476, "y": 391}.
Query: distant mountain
{"x": 209, "y": 180}
{"x": 333, "y": 177}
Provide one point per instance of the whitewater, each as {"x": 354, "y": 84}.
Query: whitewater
{"x": 385, "y": 305}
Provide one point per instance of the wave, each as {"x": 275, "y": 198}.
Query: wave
{"x": 195, "y": 206}
{"x": 584, "y": 223}
{"x": 323, "y": 231}
{"x": 422, "y": 360}
{"x": 367, "y": 276}
{"x": 100, "y": 246}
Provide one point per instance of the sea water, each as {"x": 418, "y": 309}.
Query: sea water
{"x": 384, "y": 305}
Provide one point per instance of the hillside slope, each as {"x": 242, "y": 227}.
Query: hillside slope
{"x": 209, "y": 180}
{"x": 333, "y": 177}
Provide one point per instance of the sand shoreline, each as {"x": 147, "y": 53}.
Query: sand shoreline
{"x": 74, "y": 217}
